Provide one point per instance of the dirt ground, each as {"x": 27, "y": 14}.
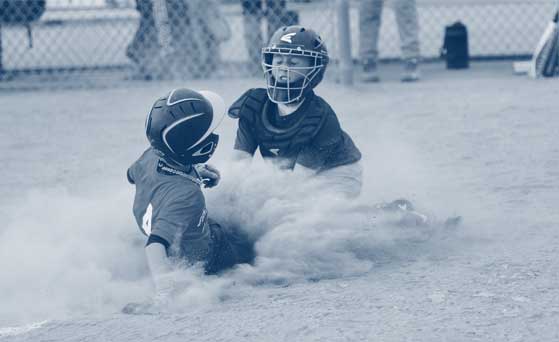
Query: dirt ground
{"x": 480, "y": 143}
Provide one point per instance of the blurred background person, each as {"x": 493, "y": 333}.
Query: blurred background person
{"x": 207, "y": 29}
{"x": 177, "y": 39}
{"x": 274, "y": 11}
{"x": 370, "y": 16}
{"x": 145, "y": 41}
{"x": 1, "y": 66}
{"x": 24, "y": 13}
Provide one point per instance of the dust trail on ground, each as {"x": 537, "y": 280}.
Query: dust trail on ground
{"x": 63, "y": 254}
{"x": 305, "y": 232}
{"x": 66, "y": 254}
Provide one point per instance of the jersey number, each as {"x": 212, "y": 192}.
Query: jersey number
{"x": 146, "y": 220}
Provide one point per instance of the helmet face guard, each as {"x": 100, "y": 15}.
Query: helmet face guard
{"x": 199, "y": 153}
{"x": 292, "y": 92}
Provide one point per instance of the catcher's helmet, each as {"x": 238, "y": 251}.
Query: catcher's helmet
{"x": 294, "y": 41}
{"x": 180, "y": 125}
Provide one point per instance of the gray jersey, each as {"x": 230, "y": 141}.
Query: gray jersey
{"x": 170, "y": 205}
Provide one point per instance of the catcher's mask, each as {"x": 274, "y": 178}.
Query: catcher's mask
{"x": 294, "y": 41}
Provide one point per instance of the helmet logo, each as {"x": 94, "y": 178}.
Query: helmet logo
{"x": 288, "y": 37}
{"x": 319, "y": 42}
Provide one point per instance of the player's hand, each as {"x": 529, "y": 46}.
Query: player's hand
{"x": 165, "y": 286}
{"x": 209, "y": 174}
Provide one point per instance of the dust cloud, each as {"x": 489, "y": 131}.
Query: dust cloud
{"x": 63, "y": 254}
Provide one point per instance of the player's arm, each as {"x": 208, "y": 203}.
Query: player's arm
{"x": 160, "y": 268}
{"x": 162, "y": 24}
{"x": 245, "y": 108}
{"x": 183, "y": 212}
{"x": 156, "y": 253}
{"x": 245, "y": 141}
{"x": 161, "y": 271}
{"x": 209, "y": 174}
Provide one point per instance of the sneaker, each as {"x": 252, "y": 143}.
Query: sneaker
{"x": 370, "y": 72}
{"x": 397, "y": 205}
{"x": 405, "y": 213}
{"x": 411, "y": 70}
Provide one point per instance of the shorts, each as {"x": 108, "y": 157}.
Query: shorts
{"x": 230, "y": 246}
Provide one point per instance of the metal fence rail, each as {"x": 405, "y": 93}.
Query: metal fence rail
{"x": 74, "y": 36}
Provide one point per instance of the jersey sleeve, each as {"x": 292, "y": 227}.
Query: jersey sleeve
{"x": 132, "y": 171}
{"x": 129, "y": 176}
{"x": 135, "y": 170}
{"x": 245, "y": 108}
{"x": 245, "y": 140}
{"x": 185, "y": 214}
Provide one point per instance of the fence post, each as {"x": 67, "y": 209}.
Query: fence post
{"x": 344, "y": 42}
{"x": 1, "y": 67}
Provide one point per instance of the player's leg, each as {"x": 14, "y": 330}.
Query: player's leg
{"x": 145, "y": 42}
{"x": 155, "y": 34}
{"x": 345, "y": 180}
{"x": 161, "y": 11}
{"x": 370, "y": 17}
{"x": 252, "y": 16}
{"x": 230, "y": 246}
{"x": 210, "y": 57}
{"x": 275, "y": 14}
{"x": 408, "y": 28}
{"x": 1, "y": 67}
{"x": 188, "y": 38}
{"x": 544, "y": 60}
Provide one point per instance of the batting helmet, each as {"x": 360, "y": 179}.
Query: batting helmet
{"x": 181, "y": 125}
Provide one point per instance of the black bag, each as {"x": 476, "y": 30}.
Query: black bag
{"x": 455, "y": 46}
{"x": 21, "y": 11}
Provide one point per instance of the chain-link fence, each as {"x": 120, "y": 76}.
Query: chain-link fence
{"x": 152, "y": 39}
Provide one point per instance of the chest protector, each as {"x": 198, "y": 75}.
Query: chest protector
{"x": 275, "y": 141}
